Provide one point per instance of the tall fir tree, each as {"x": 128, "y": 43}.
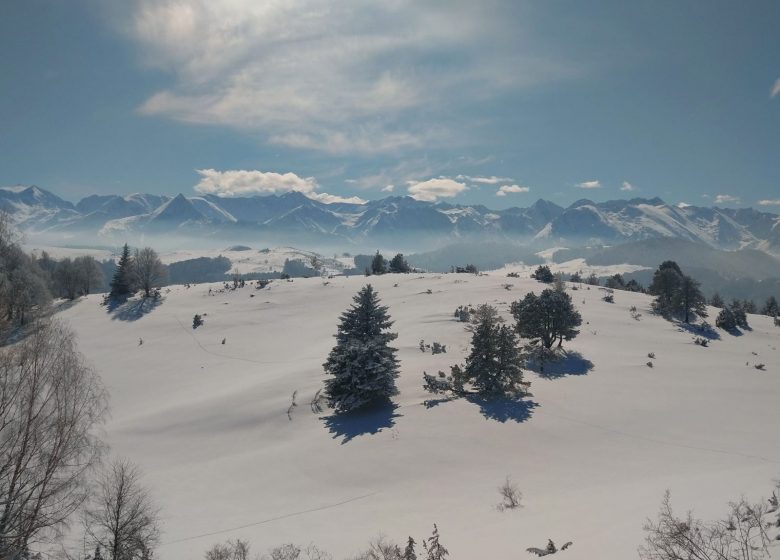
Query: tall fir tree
{"x": 688, "y": 299}
{"x": 363, "y": 366}
{"x": 122, "y": 282}
{"x": 666, "y": 282}
{"x": 409, "y": 552}
{"x": 493, "y": 365}
{"x": 771, "y": 307}
{"x": 378, "y": 264}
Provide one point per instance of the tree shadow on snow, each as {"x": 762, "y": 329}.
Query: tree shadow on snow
{"x": 504, "y": 409}
{"x": 367, "y": 421}
{"x": 566, "y": 362}
{"x": 705, "y": 330}
{"x": 132, "y": 309}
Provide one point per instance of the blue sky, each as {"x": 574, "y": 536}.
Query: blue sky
{"x": 498, "y": 103}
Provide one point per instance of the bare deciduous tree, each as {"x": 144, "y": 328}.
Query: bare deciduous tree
{"x": 50, "y": 404}
{"x": 148, "y": 270}
{"x": 88, "y": 273}
{"x": 741, "y": 536}
{"x": 122, "y": 518}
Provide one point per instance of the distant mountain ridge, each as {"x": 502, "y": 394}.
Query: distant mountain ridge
{"x": 400, "y": 220}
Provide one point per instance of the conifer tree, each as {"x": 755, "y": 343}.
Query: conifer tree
{"x": 398, "y": 264}
{"x": 717, "y": 301}
{"x": 433, "y": 548}
{"x": 688, "y": 299}
{"x": 666, "y": 282}
{"x": 771, "y": 307}
{"x": 362, "y": 365}
{"x": 493, "y": 365}
{"x": 549, "y": 317}
{"x": 378, "y": 264}
{"x": 409, "y": 553}
{"x": 122, "y": 282}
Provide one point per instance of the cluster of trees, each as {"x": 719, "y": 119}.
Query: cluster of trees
{"x": 141, "y": 270}
{"x": 617, "y": 282}
{"x": 732, "y": 317}
{"x": 378, "y": 549}
{"x": 379, "y": 265}
{"x": 677, "y": 294}
{"x": 771, "y": 307}
{"x": 51, "y": 406}
{"x": 23, "y": 283}
{"x": 362, "y": 366}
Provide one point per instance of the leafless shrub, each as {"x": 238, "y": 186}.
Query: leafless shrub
{"x": 741, "y": 536}
{"x": 762, "y": 367}
{"x": 636, "y": 315}
{"x": 380, "y": 549}
{"x": 122, "y": 518}
{"x": 293, "y": 404}
{"x": 651, "y": 355}
{"x": 318, "y": 402}
{"x": 510, "y": 495}
{"x": 293, "y": 552}
{"x": 50, "y": 403}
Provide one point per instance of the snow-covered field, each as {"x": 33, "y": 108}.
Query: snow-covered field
{"x": 592, "y": 451}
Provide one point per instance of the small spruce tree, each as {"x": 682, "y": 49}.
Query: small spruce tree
{"x": 717, "y": 301}
{"x": 771, "y": 307}
{"x": 543, "y": 274}
{"x": 362, "y": 365}
{"x": 122, "y": 282}
{"x": 398, "y": 264}
{"x": 378, "y": 264}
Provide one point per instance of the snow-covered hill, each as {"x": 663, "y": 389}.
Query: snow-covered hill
{"x": 400, "y": 222}
{"x": 592, "y": 450}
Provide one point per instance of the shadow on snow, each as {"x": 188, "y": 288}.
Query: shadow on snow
{"x": 366, "y": 421}
{"x": 566, "y": 362}
{"x": 501, "y": 409}
{"x": 132, "y": 309}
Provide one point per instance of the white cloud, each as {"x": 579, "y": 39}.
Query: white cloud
{"x": 492, "y": 180}
{"x": 433, "y": 189}
{"x": 241, "y": 182}
{"x": 503, "y": 190}
{"x": 769, "y": 202}
{"x": 347, "y": 77}
{"x": 775, "y": 88}
{"x": 388, "y": 188}
{"x": 683, "y": 205}
{"x": 627, "y": 187}
{"x": 726, "y": 199}
{"x": 588, "y": 185}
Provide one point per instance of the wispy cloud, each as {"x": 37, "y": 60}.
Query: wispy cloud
{"x": 350, "y": 77}
{"x": 504, "y": 190}
{"x": 588, "y": 185}
{"x": 726, "y": 199}
{"x": 434, "y": 189}
{"x": 492, "y": 180}
{"x": 628, "y": 187}
{"x": 239, "y": 182}
{"x": 769, "y": 202}
{"x": 775, "y": 88}
{"x": 388, "y": 188}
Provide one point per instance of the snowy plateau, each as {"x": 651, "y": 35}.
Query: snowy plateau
{"x": 593, "y": 447}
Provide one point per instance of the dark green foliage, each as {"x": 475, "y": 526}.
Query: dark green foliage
{"x": 749, "y": 306}
{"x": 731, "y": 317}
{"x": 296, "y": 268}
{"x": 202, "y": 269}
{"x": 549, "y": 317}
{"x": 771, "y": 307}
{"x": 717, "y": 301}
{"x": 688, "y": 299}
{"x": 576, "y": 278}
{"x": 543, "y": 274}
{"x": 739, "y": 314}
{"x": 634, "y": 286}
{"x": 666, "y": 282}
{"x": 493, "y": 365}
{"x": 362, "y": 365}
{"x": 398, "y": 264}
{"x": 378, "y": 264}
{"x": 122, "y": 283}
{"x": 616, "y": 282}
{"x": 197, "y": 321}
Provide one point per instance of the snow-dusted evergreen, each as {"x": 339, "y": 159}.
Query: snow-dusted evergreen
{"x": 362, "y": 365}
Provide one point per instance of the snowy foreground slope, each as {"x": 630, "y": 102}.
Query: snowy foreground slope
{"x": 592, "y": 452}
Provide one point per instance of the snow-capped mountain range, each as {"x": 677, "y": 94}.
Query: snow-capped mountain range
{"x": 396, "y": 219}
